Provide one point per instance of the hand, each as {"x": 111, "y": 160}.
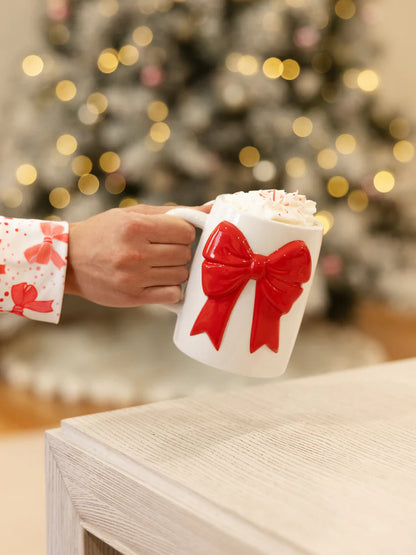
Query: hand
{"x": 129, "y": 256}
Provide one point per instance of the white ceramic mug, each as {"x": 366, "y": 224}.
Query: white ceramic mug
{"x": 247, "y": 290}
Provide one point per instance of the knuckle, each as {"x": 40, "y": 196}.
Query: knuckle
{"x": 173, "y": 294}
{"x": 183, "y": 274}
{"x": 188, "y": 255}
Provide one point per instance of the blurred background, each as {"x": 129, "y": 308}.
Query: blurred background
{"x": 112, "y": 102}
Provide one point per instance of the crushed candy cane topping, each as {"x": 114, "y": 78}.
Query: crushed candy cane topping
{"x": 277, "y": 205}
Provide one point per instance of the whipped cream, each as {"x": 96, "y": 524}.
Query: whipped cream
{"x": 277, "y": 205}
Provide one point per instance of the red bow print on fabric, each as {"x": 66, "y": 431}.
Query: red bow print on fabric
{"x": 228, "y": 266}
{"x": 24, "y": 296}
{"x": 44, "y": 252}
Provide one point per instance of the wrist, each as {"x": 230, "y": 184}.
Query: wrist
{"x": 71, "y": 285}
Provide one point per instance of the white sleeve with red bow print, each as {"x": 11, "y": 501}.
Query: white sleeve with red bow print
{"x": 33, "y": 261}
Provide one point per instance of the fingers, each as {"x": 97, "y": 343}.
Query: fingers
{"x": 170, "y": 229}
{"x": 157, "y": 295}
{"x": 169, "y": 255}
{"x": 174, "y": 275}
{"x": 151, "y": 210}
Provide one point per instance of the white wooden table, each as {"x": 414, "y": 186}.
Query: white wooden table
{"x": 320, "y": 465}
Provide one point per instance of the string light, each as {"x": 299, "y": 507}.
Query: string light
{"x": 295, "y": 167}
{"x": 128, "y": 201}
{"x": 327, "y": 158}
{"x": 157, "y": 111}
{"x": 345, "y": 9}
{"x": 87, "y": 117}
{"x": 65, "y": 90}
{"x": 345, "y": 143}
{"x": 247, "y": 65}
{"x": 81, "y": 165}
{"x": 403, "y": 151}
{"x": 66, "y": 144}
{"x": 12, "y": 197}
{"x": 302, "y": 126}
{"x": 350, "y": 77}
{"x": 384, "y": 181}
{"x": 115, "y": 183}
{"x": 128, "y": 55}
{"x": 273, "y": 68}
{"x": 357, "y": 201}
{"x": 249, "y": 156}
{"x": 108, "y": 8}
{"x": 108, "y": 60}
{"x": 26, "y": 174}
{"x": 291, "y": 69}
{"x": 337, "y": 186}
{"x": 264, "y": 171}
{"x": 326, "y": 219}
{"x": 109, "y": 161}
{"x": 231, "y": 61}
{"x": 97, "y": 103}
{"x": 59, "y": 197}
{"x": 368, "y": 80}
{"x": 142, "y": 36}
{"x": 160, "y": 132}
{"x": 32, "y": 65}
{"x": 88, "y": 184}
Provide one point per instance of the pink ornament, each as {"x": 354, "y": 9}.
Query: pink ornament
{"x": 306, "y": 37}
{"x": 332, "y": 265}
{"x": 152, "y": 76}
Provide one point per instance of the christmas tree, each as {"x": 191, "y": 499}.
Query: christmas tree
{"x": 178, "y": 101}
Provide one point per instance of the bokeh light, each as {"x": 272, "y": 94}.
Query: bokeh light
{"x": 108, "y": 60}
{"x": 368, "y": 80}
{"x": 384, "y": 181}
{"x": 273, "y": 68}
{"x": 88, "y": 184}
{"x": 403, "y": 151}
{"x": 295, "y": 167}
{"x": 302, "y": 126}
{"x": 345, "y": 143}
{"x": 32, "y": 65}
{"x": 345, "y": 9}
{"x": 357, "y": 201}
{"x": 327, "y": 158}
{"x": 326, "y": 218}
{"x": 142, "y": 35}
{"x": 115, "y": 183}
{"x": 59, "y": 197}
{"x": 291, "y": 69}
{"x": 337, "y": 186}
{"x": 159, "y": 132}
{"x": 81, "y": 165}
{"x": 66, "y": 144}
{"x": 97, "y": 103}
{"x": 249, "y": 156}
{"x": 109, "y": 161}
{"x": 128, "y": 55}
{"x": 26, "y": 174}
{"x": 157, "y": 111}
{"x": 66, "y": 90}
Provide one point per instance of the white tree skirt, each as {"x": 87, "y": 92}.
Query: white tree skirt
{"x": 127, "y": 356}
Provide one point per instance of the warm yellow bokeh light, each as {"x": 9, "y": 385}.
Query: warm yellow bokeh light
{"x": 128, "y": 55}
{"x": 291, "y": 69}
{"x": 350, "y": 78}
{"x": 231, "y": 61}
{"x": 295, "y": 167}
{"x": 81, "y": 165}
{"x": 32, "y": 65}
{"x": 337, "y": 186}
{"x": 109, "y": 161}
{"x": 384, "y": 181}
{"x": 327, "y": 158}
{"x": 115, "y": 183}
{"x": 88, "y": 184}
{"x": 357, "y": 201}
{"x": 157, "y": 111}
{"x": 326, "y": 219}
{"x": 404, "y": 151}
{"x": 128, "y": 201}
{"x": 345, "y": 143}
{"x": 142, "y": 35}
{"x": 97, "y": 103}
{"x": 345, "y": 9}
{"x": 11, "y": 197}
{"x": 65, "y": 90}
{"x": 26, "y": 174}
{"x": 273, "y": 68}
{"x": 302, "y": 126}
{"x": 108, "y": 8}
{"x": 66, "y": 144}
{"x": 108, "y": 60}
{"x": 59, "y": 197}
{"x": 249, "y": 156}
{"x": 368, "y": 80}
{"x": 159, "y": 132}
{"x": 248, "y": 65}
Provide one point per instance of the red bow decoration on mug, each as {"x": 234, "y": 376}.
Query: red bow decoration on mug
{"x": 24, "y": 296}
{"x": 43, "y": 252}
{"x": 228, "y": 266}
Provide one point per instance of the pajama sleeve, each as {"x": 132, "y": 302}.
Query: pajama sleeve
{"x": 33, "y": 261}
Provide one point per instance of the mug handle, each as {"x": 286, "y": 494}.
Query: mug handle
{"x": 196, "y": 218}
